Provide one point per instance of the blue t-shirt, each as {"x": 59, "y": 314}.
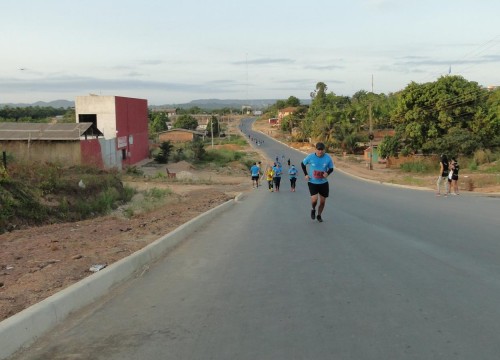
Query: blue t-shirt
{"x": 255, "y": 170}
{"x": 277, "y": 171}
{"x": 292, "y": 172}
{"x": 317, "y": 166}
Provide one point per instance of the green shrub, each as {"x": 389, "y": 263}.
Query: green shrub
{"x": 416, "y": 167}
{"x": 222, "y": 157}
{"x": 134, "y": 171}
{"x": 156, "y": 194}
{"x": 473, "y": 165}
{"x": 49, "y": 193}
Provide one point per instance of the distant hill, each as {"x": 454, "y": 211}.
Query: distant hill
{"x": 206, "y": 104}
{"x": 211, "y": 104}
{"x": 55, "y": 104}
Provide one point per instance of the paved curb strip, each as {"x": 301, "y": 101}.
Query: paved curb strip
{"x": 23, "y": 328}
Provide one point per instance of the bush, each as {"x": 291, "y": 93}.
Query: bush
{"x": 473, "y": 165}
{"x": 416, "y": 167}
{"x": 49, "y": 193}
{"x": 133, "y": 170}
{"x": 222, "y": 157}
{"x": 483, "y": 157}
{"x": 165, "y": 150}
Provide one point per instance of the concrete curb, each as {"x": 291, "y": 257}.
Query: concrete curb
{"x": 23, "y": 328}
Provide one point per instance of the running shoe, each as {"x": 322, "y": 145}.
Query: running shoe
{"x": 319, "y": 218}
{"x": 313, "y": 214}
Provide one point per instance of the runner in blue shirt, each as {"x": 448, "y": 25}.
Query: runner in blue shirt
{"x": 320, "y": 166}
{"x": 293, "y": 177}
{"x": 255, "y": 171}
{"x": 277, "y": 176}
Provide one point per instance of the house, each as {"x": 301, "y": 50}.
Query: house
{"x": 285, "y": 112}
{"x": 124, "y": 124}
{"x": 171, "y": 112}
{"x": 179, "y": 135}
{"x": 38, "y": 142}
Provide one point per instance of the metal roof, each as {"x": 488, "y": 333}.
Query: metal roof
{"x": 42, "y": 131}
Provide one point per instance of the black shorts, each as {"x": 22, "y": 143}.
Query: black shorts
{"x": 322, "y": 189}
{"x": 255, "y": 177}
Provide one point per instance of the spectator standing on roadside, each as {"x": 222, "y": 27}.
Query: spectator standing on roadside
{"x": 455, "y": 168}
{"x": 320, "y": 167}
{"x": 443, "y": 174}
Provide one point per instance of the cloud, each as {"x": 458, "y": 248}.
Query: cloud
{"x": 83, "y": 84}
{"x": 424, "y": 61}
{"x": 323, "y": 67}
{"x": 264, "y": 61}
{"x": 151, "y": 62}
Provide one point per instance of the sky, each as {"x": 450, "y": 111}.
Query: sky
{"x": 173, "y": 52}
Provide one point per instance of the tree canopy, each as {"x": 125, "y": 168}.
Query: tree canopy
{"x": 158, "y": 122}
{"x": 186, "y": 122}
{"x": 451, "y": 115}
{"x": 30, "y": 113}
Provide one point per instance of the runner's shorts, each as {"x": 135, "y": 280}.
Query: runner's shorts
{"x": 322, "y": 189}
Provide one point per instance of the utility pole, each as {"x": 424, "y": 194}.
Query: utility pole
{"x": 229, "y": 123}
{"x": 370, "y": 135}
{"x": 212, "y": 131}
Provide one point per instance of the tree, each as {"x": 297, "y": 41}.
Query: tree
{"x": 69, "y": 116}
{"x": 389, "y": 146}
{"x": 213, "y": 124}
{"x": 318, "y": 96}
{"x": 425, "y": 114}
{"x": 186, "y": 122}
{"x": 489, "y": 130}
{"x": 198, "y": 149}
{"x": 280, "y": 104}
{"x": 165, "y": 150}
{"x": 158, "y": 123}
{"x": 293, "y": 120}
{"x": 292, "y": 101}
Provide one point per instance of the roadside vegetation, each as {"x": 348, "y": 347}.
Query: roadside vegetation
{"x": 450, "y": 115}
{"x": 36, "y": 194}
{"x": 412, "y": 127}
{"x": 201, "y": 154}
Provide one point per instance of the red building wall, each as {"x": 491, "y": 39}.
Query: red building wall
{"x": 91, "y": 152}
{"x": 132, "y": 124}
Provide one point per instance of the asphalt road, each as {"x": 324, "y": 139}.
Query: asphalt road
{"x": 391, "y": 273}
